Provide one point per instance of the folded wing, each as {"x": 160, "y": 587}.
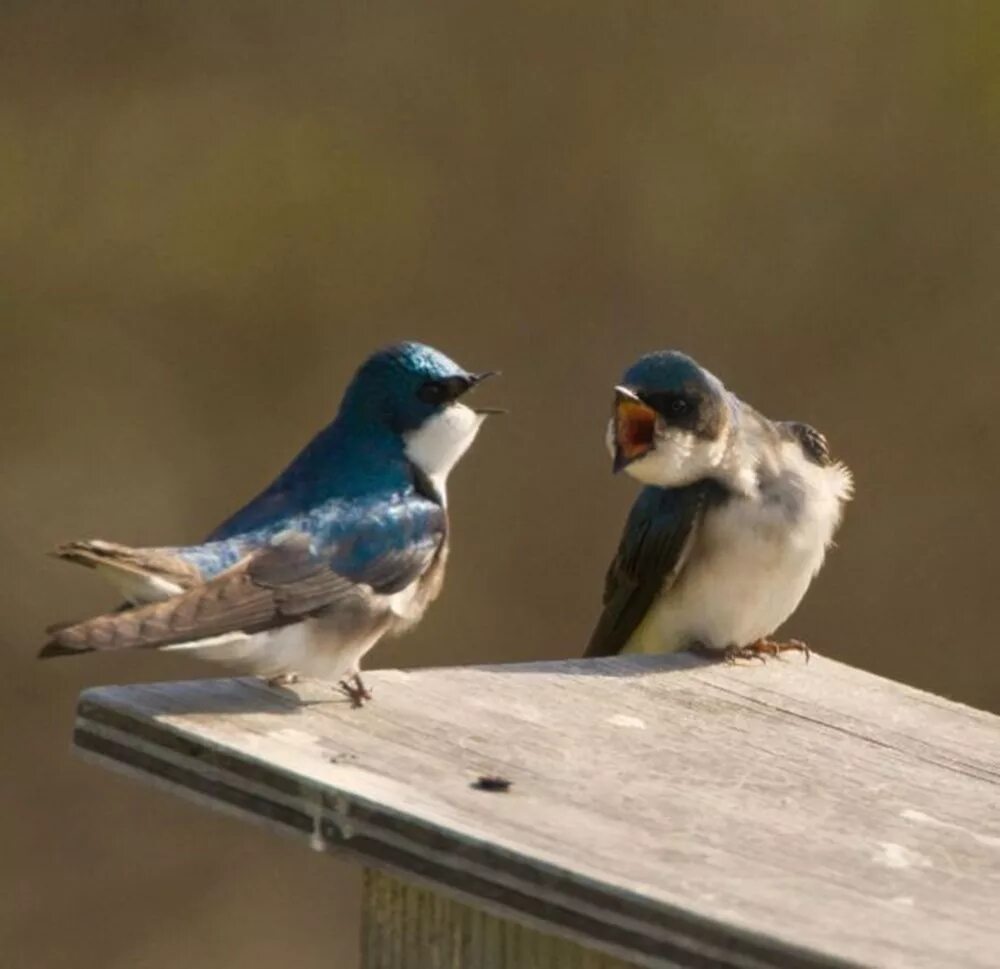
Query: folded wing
{"x": 281, "y": 583}
{"x": 650, "y": 558}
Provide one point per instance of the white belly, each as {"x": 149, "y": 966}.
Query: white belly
{"x": 751, "y": 564}
{"x": 309, "y": 648}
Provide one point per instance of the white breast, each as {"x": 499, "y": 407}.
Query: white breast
{"x": 436, "y": 446}
{"x": 752, "y": 560}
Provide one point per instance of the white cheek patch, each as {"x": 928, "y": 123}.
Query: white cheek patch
{"x": 440, "y": 442}
{"x": 677, "y": 458}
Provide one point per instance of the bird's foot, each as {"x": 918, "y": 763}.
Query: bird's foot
{"x": 282, "y": 679}
{"x": 774, "y": 647}
{"x": 761, "y": 649}
{"x": 356, "y": 690}
{"x": 725, "y": 654}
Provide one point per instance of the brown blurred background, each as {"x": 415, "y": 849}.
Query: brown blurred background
{"x": 209, "y": 212}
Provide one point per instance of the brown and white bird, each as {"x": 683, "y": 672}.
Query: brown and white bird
{"x": 733, "y": 524}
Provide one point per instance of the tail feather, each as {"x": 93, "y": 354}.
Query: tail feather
{"x": 230, "y": 603}
{"x": 141, "y": 574}
{"x": 271, "y": 590}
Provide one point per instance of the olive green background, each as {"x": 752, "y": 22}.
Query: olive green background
{"x": 210, "y": 212}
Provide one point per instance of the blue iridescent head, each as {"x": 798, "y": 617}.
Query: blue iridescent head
{"x": 404, "y": 385}
{"x": 401, "y": 411}
{"x": 410, "y": 396}
{"x": 670, "y": 422}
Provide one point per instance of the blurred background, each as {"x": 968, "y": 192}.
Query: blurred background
{"x": 210, "y": 212}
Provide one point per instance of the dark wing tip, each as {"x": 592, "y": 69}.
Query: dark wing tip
{"x": 814, "y": 445}
{"x": 54, "y": 648}
{"x": 64, "y": 641}
{"x": 87, "y": 552}
{"x": 69, "y": 552}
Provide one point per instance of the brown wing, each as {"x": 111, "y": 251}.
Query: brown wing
{"x": 277, "y": 585}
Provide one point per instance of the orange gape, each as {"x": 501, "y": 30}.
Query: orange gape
{"x": 634, "y": 427}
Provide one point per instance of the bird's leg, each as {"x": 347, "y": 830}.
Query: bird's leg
{"x": 282, "y": 679}
{"x": 761, "y": 649}
{"x": 356, "y": 690}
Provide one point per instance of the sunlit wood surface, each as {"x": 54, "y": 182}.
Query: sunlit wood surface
{"x": 660, "y": 811}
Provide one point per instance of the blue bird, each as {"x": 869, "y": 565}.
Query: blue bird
{"x": 732, "y": 526}
{"x": 348, "y": 543}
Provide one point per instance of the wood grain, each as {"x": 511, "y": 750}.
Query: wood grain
{"x": 406, "y": 926}
{"x": 662, "y": 810}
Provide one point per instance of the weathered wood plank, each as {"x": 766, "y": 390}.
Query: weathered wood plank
{"x": 662, "y": 810}
{"x": 409, "y": 927}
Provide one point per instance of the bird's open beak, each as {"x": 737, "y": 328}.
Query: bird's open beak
{"x": 477, "y": 378}
{"x": 634, "y": 428}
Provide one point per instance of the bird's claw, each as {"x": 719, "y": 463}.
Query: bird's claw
{"x": 732, "y": 653}
{"x": 763, "y": 648}
{"x": 760, "y": 650}
{"x": 355, "y": 690}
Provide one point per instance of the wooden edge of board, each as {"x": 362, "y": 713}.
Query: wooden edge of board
{"x": 561, "y": 902}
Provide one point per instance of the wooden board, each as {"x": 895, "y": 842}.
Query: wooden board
{"x": 662, "y": 810}
{"x": 406, "y": 926}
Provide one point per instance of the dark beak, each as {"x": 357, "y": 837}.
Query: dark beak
{"x": 478, "y": 378}
{"x": 634, "y": 428}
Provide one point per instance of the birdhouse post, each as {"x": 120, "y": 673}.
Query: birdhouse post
{"x": 655, "y": 812}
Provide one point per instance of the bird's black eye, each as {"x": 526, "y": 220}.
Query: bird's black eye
{"x": 671, "y": 405}
{"x": 433, "y": 392}
{"x": 442, "y": 391}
